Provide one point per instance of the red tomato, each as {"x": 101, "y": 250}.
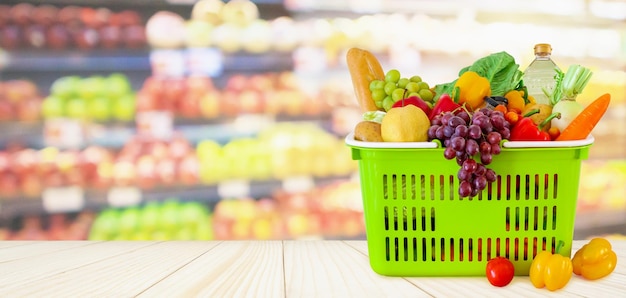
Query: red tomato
{"x": 500, "y": 271}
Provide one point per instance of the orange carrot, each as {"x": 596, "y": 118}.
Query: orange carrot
{"x": 582, "y": 125}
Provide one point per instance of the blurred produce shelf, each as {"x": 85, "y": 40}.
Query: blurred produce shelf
{"x": 95, "y": 200}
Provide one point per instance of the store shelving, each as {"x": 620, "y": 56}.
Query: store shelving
{"x": 95, "y": 200}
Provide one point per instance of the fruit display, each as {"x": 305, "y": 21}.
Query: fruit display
{"x": 281, "y": 151}
{"x": 230, "y": 26}
{"x": 27, "y": 172}
{"x": 45, "y": 26}
{"x": 52, "y": 227}
{"x": 20, "y": 100}
{"x": 94, "y": 98}
{"x": 332, "y": 211}
{"x": 198, "y": 97}
{"x": 168, "y": 220}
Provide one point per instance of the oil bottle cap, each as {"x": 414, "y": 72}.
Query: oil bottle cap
{"x": 543, "y": 48}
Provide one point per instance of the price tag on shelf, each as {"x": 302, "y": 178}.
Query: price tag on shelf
{"x": 309, "y": 60}
{"x": 298, "y": 184}
{"x": 156, "y": 124}
{"x": 63, "y": 199}
{"x": 234, "y": 189}
{"x": 124, "y": 196}
{"x": 64, "y": 133}
{"x": 205, "y": 61}
{"x": 168, "y": 63}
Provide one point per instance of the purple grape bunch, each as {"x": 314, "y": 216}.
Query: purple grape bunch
{"x": 468, "y": 137}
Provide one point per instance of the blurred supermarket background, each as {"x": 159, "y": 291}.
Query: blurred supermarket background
{"x": 179, "y": 119}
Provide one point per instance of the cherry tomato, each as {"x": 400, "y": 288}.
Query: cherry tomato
{"x": 500, "y": 271}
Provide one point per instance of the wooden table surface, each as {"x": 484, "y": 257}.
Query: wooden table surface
{"x": 244, "y": 268}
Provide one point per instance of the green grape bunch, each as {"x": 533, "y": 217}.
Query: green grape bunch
{"x": 394, "y": 88}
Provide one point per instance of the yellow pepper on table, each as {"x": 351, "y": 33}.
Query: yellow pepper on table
{"x": 595, "y": 259}
{"x": 472, "y": 89}
{"x": 550, "y": 270}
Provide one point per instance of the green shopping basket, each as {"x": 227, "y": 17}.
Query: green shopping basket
{"x": 417, "y": 225}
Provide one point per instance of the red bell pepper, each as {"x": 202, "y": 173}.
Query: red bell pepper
{"x": 526, "y": 130}
{"x": 444, "y": 104}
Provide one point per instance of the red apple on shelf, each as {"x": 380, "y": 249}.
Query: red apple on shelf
{"x": 45, "y": 14}
{"x": 5, "y": 14}
{"x": 166, "y": 171}
{"x": 29, "y": 110}
{"x": 69, "y": 15}
{"x": 146, "y": 171}
{"x": 134, "y": 36}
{"x": 199, "y": 85}
{"x": 58, "y": 37}
{"x": 11, "y": 37}
{"x": 31, "y": 185}
{"x": 9, "y": 185}
{"x": 237, "y": 83}
{"x": 35, "y": 36}
{"x": 86, "y": 38}
{"x": 22, "y": 13}
{"x": 7, "y": 111}
{"x": 189, "y": 106}
{"x": 189, "y": 169}
{"x": 129, "y": 18}
{"x": 110, "y": 36}
{"x": 174, "y": 89}
{"x": 179, "y": 147}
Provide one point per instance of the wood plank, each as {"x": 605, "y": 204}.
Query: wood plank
{"x": 123, "y": 274}
{"x": 29, "y": 249}
{"x": 231, "y": 269}
{"x": 8, "y": 244}
{"x": 26, "y": 272}
{"x": 335, "y": 269}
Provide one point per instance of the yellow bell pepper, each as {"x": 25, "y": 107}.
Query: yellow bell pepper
{"x": 515, "y": 100}
{"x": 471, "y": 89}
{"x": 550, "y": 270}
{"x": 595, "y": 259}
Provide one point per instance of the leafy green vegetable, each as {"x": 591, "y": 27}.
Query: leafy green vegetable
{"x": 376, "y": 116}
{"x": 575, "y": 79}
{"x": 499, "y": 68}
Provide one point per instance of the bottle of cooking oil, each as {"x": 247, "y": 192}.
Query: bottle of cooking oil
{"x": 539, "y": 76}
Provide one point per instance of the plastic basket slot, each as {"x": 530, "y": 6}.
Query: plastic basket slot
{"x": 525, "y": 187}
{"x": 395, "y": 223}
{"x": 547, "y": 217}
{"x": 441, "y": 249}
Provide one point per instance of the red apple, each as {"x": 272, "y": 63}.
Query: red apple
{"x": 10, "y": 37}
{"x": 58, "y": 37}
{"x": 189, "y": 106}
{"x": 9, "y": 185}
{"x": 110, "y": 36}
{"x": 129, "y": 18}
{"x": 413, "y": 100}
{"x": 7, "y": 111}
{"x": 146, "y": 101}
{"x": 29, "y": 110}
{"x": 69, "y": 15}
{"x": 146, "y": 172}
{"x": 21, "y": 13}
{"x": 229, "y": 104}
{"x": 251, "y": 102}
{"x": 31, "y": 185}
{"x": 86, "y": 38}
{"x": 199, "y": 85}
{"x": 174, "y": 89}
{"x": 5, "y": 14}
{"x": 134, "y": 36}
{"x": 45, "y": 14}
{"x": 189, "y": 169}
{"x": 166, "y": 171}
{"x": 237, "y": 82}
{"x": 179, "y": 147}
